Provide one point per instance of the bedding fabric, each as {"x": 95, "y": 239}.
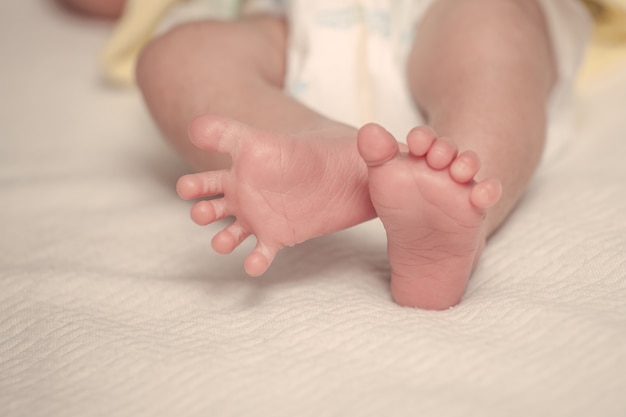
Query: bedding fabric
{"x": 112, "y": 303}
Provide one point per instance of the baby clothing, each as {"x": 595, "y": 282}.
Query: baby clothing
{"x": 607, "y": 52}
{"x": 141, "y": 20}
{"x": 347, "y": 59}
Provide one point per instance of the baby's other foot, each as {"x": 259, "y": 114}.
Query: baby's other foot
{"x": 432, "y": 210}
{"x": 283, "y": 189}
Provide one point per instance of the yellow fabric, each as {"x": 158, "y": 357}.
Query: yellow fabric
{"x": 607, "y": 51}
{"x": 135, "y": 28}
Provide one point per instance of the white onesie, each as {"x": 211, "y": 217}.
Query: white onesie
{"x": 347, "y": 58}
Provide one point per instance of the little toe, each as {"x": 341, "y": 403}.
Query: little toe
{"x": 420, "y": 139}
{"x": 376, "y": 145}
{"x": 486, "y": 193}
{"x": 229, "y": 238}
{"x": 259, "y": 260}
{"x": 441, "y": 153}
{"x": 203, "y": 184}
{"x": 207, "y": 212}
{"x": 465, "y": 167}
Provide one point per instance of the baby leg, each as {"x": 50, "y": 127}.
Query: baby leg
{"x": 482, "y": 71}
{"x": 234, "y": 69}
{"x": 287, "y": 173}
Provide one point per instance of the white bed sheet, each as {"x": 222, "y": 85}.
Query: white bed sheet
{"x": 112, "y": 303}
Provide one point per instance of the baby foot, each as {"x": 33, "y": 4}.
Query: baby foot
{"x": 432, "y": 210}
{"x": 282, "y": 189}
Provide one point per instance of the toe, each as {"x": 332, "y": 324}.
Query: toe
{"x": 420, "y": 139}
{"x": 187, "y": 187}
{"x": 376, "y": 145}
{"x": 465, "y": 167}
{"x": 441, "y": 153}
{"x": 259, "y": 260}
{"x": 256, "y": 264}
{"x": 486, "y": 193}
{"x": 228, "y": 239}
{"x": 207, "y": 212}
{"x": 203, "y": 184}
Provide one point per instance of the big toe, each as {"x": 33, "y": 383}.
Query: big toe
{"x": 376, "y": 145}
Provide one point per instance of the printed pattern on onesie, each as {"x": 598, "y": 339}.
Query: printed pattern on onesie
{"x": 347, "y": 58}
